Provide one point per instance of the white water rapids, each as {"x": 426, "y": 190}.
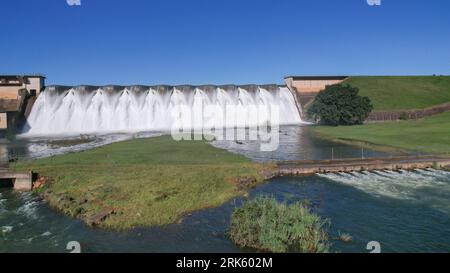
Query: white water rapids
{"x": 423, "y": 186}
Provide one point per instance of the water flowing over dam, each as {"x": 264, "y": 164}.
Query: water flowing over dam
{"x": 89, "y": 109}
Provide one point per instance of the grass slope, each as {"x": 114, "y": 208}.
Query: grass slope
{"x": 401, "y": 93}
{"x": 430, "y": 135}
{"x": 146, "y": 181}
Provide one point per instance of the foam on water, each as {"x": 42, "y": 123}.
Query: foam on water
{"x": 29, "y": 206}
{"x": 2, "y": 205}
{"x": 2, "y": 202}
{"x": 39, "y": 148}
{"x": 426, "y": 186}
{"x": 434, "y": 173}
{"x": 46, "y": 234}
{"x": 6, "y": 229}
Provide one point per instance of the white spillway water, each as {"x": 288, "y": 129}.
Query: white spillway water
{"x": 76, "y": 110}
{"x": 424, "y": 186}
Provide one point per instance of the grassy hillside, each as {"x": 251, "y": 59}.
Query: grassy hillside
{"x": 400, "y": 93}
{"x": 145, "y": 181}
{"x": 430, "y": 135}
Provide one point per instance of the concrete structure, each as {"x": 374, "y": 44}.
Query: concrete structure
{"x": 306, "y": 87}
{"x": 3, "y": 121}
{"x": 17, "y": 95}
{"x": 311, "y": 84}
{"x": 10, "y": 85}
{"x": 19, "y": 181}
{"x": 355, "y": 165}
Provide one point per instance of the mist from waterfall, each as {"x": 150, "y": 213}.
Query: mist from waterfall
{"x": 85, "y": 109}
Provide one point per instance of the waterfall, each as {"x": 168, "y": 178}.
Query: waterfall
{"x": 87, "y": 109}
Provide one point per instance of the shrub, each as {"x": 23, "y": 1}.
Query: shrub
{"x": 267, "y": 225}
{"x": 340, "y": 105}
{"x": 403, "y": 116}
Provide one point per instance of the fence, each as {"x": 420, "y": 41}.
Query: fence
{"x": 408, "y": 114}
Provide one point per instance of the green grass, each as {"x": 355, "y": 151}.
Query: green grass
{"x": 401, "y": 93}
{"x": 147, "y": 182}
{"x": 265, "y": 224}
{"x": 430, "y": 135}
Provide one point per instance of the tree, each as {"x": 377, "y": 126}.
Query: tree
{"x": 340, "y": 105}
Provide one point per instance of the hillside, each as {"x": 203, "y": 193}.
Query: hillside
{"x": 401, "y": 93}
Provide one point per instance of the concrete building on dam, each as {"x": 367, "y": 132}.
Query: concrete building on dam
{"x": 17, "y": 95}
{"x": 307, "y": 87}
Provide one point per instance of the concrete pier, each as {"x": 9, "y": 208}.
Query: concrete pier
{"x": 306, "y": 167}
{"x": 21, "y": 181}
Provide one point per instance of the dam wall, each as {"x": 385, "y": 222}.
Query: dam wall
{"x": 94, "y": 109}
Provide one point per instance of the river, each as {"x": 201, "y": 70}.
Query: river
{"x": 404, "y": 211}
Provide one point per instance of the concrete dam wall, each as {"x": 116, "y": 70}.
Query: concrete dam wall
{"x": 93, "y": 109}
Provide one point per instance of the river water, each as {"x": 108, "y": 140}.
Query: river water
{"x": 405, "y": 211}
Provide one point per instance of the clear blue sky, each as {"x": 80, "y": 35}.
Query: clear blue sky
{"x": 221, "y": 41}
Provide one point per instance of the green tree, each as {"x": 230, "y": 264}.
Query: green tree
{"x": 340, "y": 105}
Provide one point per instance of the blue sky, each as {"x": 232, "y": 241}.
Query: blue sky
{"x": 221, "y": 41}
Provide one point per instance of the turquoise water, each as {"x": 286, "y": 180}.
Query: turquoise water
{"x": 403, "y": 211}
{"x": 401, "y": 216}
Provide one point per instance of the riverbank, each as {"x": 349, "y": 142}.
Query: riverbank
{"x": 143, "y": 182}
{"x": 427, "y": 136}
{"x": 395, "y": 207}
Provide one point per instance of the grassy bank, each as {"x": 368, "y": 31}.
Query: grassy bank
{"x": 430, "y": 135}
{"x": 401, "y": 93}
{"x": 144, "y": 181}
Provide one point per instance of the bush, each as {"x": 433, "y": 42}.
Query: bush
{"x": 340, "y": 105}
{"x": 403, "y": 116}
{"x": 267, "y": 225}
